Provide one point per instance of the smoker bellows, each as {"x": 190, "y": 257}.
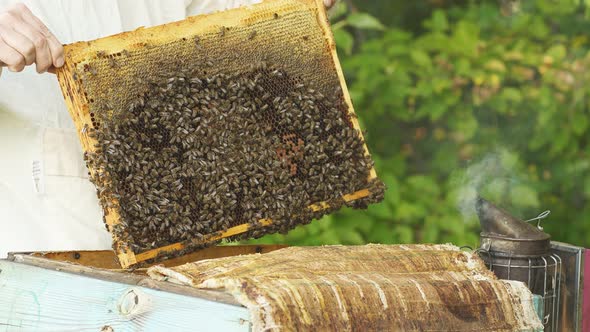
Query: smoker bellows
{"x": 231, "y": 125}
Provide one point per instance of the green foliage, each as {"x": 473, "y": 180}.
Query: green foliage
{"x": 364, "y": 21}
{"x": 474, "y": 98}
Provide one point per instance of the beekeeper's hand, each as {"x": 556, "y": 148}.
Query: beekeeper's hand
{"x": 329, "y": 3}
{"x": 25, "y": 40}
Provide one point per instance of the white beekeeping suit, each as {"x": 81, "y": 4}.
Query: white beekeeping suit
{"x": 46, "y": 199}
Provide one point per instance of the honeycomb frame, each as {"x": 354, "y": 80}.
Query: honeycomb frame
{"x": 79, "y": 57}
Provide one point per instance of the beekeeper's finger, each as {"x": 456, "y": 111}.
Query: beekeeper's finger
{"x": 43, "y": 57}
{"x": 10, "y": 57}
{"x": 329, "y": 3}
{"x": 53, "y": 43}
{"x": 19, "y": 43}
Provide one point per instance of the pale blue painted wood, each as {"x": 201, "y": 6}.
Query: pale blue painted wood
{"x": 539, "y": 305}
{"x": 37, "y": 299}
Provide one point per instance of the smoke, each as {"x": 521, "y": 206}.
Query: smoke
{"x": 492, "y": 176}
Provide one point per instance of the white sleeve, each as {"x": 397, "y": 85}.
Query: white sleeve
{"x": 198, "y": 7}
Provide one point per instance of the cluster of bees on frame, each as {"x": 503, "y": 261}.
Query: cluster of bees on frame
{"x": 195, "y": 155}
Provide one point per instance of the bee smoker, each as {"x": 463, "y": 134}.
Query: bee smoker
{"x": 516, "y": 250}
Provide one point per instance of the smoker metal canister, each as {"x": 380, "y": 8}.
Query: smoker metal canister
{"x": 507, "y": 236}
{"x": 516, "y": 250}
{"x": 512, "y": 248}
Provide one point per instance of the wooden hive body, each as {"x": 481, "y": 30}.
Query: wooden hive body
{"x": 106, "y": 81}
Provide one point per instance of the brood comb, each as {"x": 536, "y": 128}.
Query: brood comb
{"x": 230, "y": 125}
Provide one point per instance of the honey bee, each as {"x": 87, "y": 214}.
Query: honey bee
{"x": 198, "y": 154}
{"x": 252, "y": 35}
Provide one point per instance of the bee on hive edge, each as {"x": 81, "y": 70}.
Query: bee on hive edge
{"x": 252, "y": 35}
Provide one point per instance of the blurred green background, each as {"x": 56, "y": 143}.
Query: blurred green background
{"x": 465, "y": 96}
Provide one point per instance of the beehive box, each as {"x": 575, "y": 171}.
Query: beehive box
{"x": 224, "y": 126}
{"x": 367, "y": 288}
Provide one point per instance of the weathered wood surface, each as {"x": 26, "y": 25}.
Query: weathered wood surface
{"x": 123, "y": 278}
{"x": 107, "y": 259}
{"x": 366, "y": 288}
{"x": 57, "y": 296}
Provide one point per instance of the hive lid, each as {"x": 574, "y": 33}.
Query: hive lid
{"x": 503, "y": 233}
